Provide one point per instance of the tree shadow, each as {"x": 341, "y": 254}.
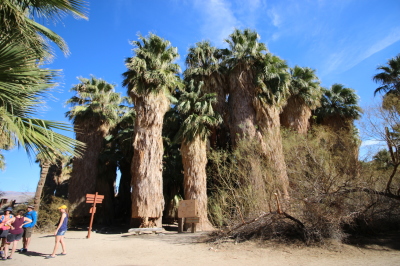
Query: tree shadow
{"x": 381, "y": 241}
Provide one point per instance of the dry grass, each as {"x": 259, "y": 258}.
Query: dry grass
{"x": 321, "y": 207}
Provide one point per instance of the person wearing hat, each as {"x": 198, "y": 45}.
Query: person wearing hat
{"x": 28, "y": 228}
{"x": 60, "y": 232}
{"x": 3, "y": 228}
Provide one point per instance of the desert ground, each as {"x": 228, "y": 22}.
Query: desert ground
{"x": 171, "y": 248}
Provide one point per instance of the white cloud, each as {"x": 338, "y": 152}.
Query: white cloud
{"x": 372, "y": 142}
{"x": 275, "y": 17}
{"x": 391, "y": 38}
{"x": 219, "y": 19}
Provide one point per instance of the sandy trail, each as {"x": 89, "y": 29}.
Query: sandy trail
{"x": 184, "y": 249}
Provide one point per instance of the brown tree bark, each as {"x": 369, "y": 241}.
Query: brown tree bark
{"x": 194, "y": 160}
{"x": 146, "y": 167}
{"x": 44, "y": 169}
{"x": 296, "y": 115}
{"x": 85, "y": 169}
{"x": 254, "y": 121}
{"x": 269, "y": 123}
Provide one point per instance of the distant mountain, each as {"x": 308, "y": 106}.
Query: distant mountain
{"x": 20, "y": 197}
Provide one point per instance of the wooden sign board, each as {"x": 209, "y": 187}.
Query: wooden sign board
{"x": 187, "y": 208}
{"x": 92, "y": 201}
{"x": 88, "y": 196}
{"x": 192, "y": 220}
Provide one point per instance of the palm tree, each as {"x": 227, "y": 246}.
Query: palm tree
{"x": 18, "y": 20}
{"x": 389, "y": 77}
{"x": 45, "y": 163}
{"x": 339, "y": 108}
{"x": 23, "y": 86}
{"x": 199, "y": 117}
{"x": 305, "y": 96}
{"x": 203, "y": 63}
{"x": 258, "y": 87}
{"x": 151, "y": 78}
{"x": 94, "y": 112}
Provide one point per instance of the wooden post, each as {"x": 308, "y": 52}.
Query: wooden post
{"x": 180, "y": 225}
{"x": 93, "y": 198}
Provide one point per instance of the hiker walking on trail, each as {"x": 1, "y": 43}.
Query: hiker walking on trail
{"x": 60, "y": 232}
{"x": 15, "y": 233}
{"x": 28, "y": 228}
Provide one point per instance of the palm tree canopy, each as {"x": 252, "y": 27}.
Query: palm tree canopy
{"x": 339, "y": 101}
{"x": 389, "y": 77}
{"x": 18, "y": 17}
{"x": 273, "y": 80}
{"x": 244, "y": 49}
{"x": 198, "y": 113}
{"x": 23, "y": 86}
{"x": 270, "y": 72}
{"x": 202, "y": 60}
{"x": 95, "y": 98}
{"x": 305, "y": 84}
{"x": 152, "y": 70}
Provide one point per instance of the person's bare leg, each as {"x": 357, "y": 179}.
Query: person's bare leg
{"x": 64, "y": 248}
{"x": 6, "y": 250}
{"x": 26, "y": 242}
{"x": 55, "y": 246}
{"x": 13, "y": 248}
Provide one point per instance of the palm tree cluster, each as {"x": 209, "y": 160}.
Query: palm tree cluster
{"x": 159, "y": 136}
{"x": 225, "y": 96}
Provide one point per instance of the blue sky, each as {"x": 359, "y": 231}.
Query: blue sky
{"x": 343, "y": 40}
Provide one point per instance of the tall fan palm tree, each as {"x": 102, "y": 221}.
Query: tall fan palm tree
{"x": 18, "y": 19}
{"x": 305, "y": 96}
{"x": 94, "y": 112}
{"x": 339, "y": 108}
{"x": 203, "y": 63}
{"x": 389, "y": 77}
{"x": 258, "y": 87}
{"x": 151, "y": 78}
{"x": 199, "y": 118}
{"x": 23, "y": 86}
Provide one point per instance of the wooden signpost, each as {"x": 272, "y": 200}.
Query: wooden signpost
{"x": 187, "y": 213}
{"x": 93, "y": 198}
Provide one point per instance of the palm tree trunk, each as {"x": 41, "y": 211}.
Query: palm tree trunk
{"x": 194, "y": 160}
{"x": 254, "y": 121}
{"x": 269, "y": 122}
{"x": 85, "y": 169}
{"x": 296, "y": 115}
{"x": 44, "y": 169}
{"x": 242, "y": 113}
{"x": 146, "y": 167}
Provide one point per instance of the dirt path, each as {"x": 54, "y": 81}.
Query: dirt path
{"x": 183, "y": 249}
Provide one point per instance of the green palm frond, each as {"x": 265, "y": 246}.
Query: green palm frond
{"x": 18, "y": 17}
{"x": 95, "y": 99}
{"x": 245, "y": 50}
{"x": 197, "y": 111}
{"x": 340, "y": 101}
{"x": 152, "y": 70}
{"x": 305, "y": 84}
{"x": 23, "y": 85}
{"x": 202, "y": 60}
{"x": 273, "y": 80}
{"x": 389, "y": 77}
